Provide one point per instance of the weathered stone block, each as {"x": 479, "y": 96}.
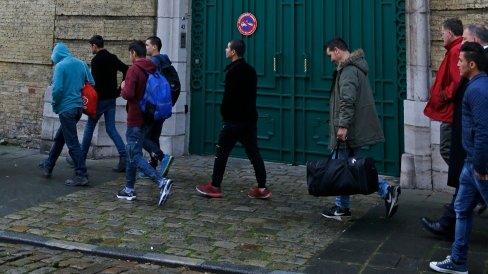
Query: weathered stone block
{"x": 414, "y": 114}
{"x": 417, "y": 140}
{"x": 175, "y": 125}
{"x": 435, "y": 132}
{"x": 423, "y": 172}
{"x": 438, "y": 164}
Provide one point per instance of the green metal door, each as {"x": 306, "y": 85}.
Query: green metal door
{"x": 294, "y": 75}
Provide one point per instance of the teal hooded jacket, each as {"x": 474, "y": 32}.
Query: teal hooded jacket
{"x": 69, "y": 77}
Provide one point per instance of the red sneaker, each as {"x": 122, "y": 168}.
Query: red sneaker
{"x": 209, "y": 190}
{"x": 258, "y": 193}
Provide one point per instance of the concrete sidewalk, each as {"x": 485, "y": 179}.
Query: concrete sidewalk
{"x": 235, "y": 233}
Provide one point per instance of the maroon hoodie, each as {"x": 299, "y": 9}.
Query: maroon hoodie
{"x": 133, "y": 91}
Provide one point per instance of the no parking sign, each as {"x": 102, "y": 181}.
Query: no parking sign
{"x": 247, "y": 23}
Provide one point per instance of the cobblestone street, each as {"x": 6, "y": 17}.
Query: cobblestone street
{"x": 234, "y": 233}
{"x": 16, "y": 259}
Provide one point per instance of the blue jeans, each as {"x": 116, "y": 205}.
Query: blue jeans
{"x": 135, "y": 159}
{"x": 345, "y": 201}
{"x": 471, "y": 190}
{"x": 107, "y": 108}
{"x": 68, "y": 134}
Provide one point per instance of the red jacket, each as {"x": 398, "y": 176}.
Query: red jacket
{"x": 440, "y": 106}
{"x": 133, "y": 91}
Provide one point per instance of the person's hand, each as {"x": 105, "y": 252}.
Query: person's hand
{"x": 342, "y": 134}
{"x": 122, "y": 85}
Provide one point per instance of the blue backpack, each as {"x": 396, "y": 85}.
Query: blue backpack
{"x": 156, "y": 103}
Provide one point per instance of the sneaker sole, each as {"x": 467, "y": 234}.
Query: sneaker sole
{"x": 262, "y": 198}
{"x": 166, "y": 192}
{"x": 433, "y": 266}
{"x": 126, "y": 198}
{"x": 394, "y": 202}
{"x": 337, "y": 218}
{"x": 209, "y": 195}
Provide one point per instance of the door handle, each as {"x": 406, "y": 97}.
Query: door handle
{"x": 274, "y": 63}
{"x": 305, "y": 65}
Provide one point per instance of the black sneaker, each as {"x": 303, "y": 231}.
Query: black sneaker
{"x": 126, "y": 196}
{"x": 391, "y": 201}
{"x": 46, "y": 172}
{"x": 336, "y": 213}
{"x": 76, "y": 181}
{"x": 165, "y": 185}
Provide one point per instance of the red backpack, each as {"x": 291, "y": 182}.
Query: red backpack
{"x": 90, "y": 100}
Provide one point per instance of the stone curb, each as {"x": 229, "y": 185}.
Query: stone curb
{"x": 130, "y": 254}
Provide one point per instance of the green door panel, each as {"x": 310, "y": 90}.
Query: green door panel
{"x": 294, "y": 74}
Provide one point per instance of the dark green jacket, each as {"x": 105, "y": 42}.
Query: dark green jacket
{"x": 352, "y": 104}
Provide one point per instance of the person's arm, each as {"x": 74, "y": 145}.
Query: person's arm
{"x": 121, "y": 67}
{"x": 57, "y": 85}
{"x": 453, "y": 78}
{"x": 478, "y": 102}
{"x": 348, "y": 89}
{"x": 89, "y": 76}
{"x": 129, "y": 85}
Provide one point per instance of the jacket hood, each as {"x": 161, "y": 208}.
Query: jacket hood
{"x": 60, "y": 52}
{"x": 356, "y": 59}
{"x": 145, "y": 64}
{"x": 163, "y": 60}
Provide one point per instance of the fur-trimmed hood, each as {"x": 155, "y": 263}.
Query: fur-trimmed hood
{"x": 356, "y": 59}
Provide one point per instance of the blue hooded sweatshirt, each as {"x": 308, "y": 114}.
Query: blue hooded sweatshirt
{"x": 69, "y": 77}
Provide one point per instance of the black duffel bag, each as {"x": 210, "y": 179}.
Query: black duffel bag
{"x": 335, "y": 177}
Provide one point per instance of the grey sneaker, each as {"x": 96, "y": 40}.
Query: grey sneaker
{"x": 76, "y": 181}
{"x": 336, "y": 213}
{"x": 391, "y": 201}
{"x": 123, "y": 195}
{"x": 165, "y": 186}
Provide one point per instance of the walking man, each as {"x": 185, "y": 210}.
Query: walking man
{"x": 473, "y": 183}
{"x": 152, "y": 128}
{"x": 239, "y": 123}
{"x": 444, "y": 226}
{"x": 440, "y": 106}
{"x": 133, "y": 89}
{"x": 104, "y": 67}
{"x": 69, "y": 76}
{"x": 353, "y": 119}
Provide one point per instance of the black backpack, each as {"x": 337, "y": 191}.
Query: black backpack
{"x": 169, "y": 72}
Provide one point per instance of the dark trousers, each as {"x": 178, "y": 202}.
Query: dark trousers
{"x": 67, "y": 134}
{"x": 230, "y": 134}
{"x": 152, "y": 131}
{"x": 448, "y": 218}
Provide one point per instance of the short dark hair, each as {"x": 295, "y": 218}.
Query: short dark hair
{"x": 473, "y": 52}
{"x": 454, "y": 25}
{"x": 239, "y": 46}
{"x": 155, "y": 41}
{"x": 96, "y": 40}
{"x": 479, "y": 31}
{"x": 336, "y": 42}
{"x": 138, "y": 47}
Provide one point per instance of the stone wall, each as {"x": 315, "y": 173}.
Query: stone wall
{"x": 470, "y": 12}
{"x": 28, "y": 32}
{"x": 26, "y": 39}
{"x": 119, "y": 22}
